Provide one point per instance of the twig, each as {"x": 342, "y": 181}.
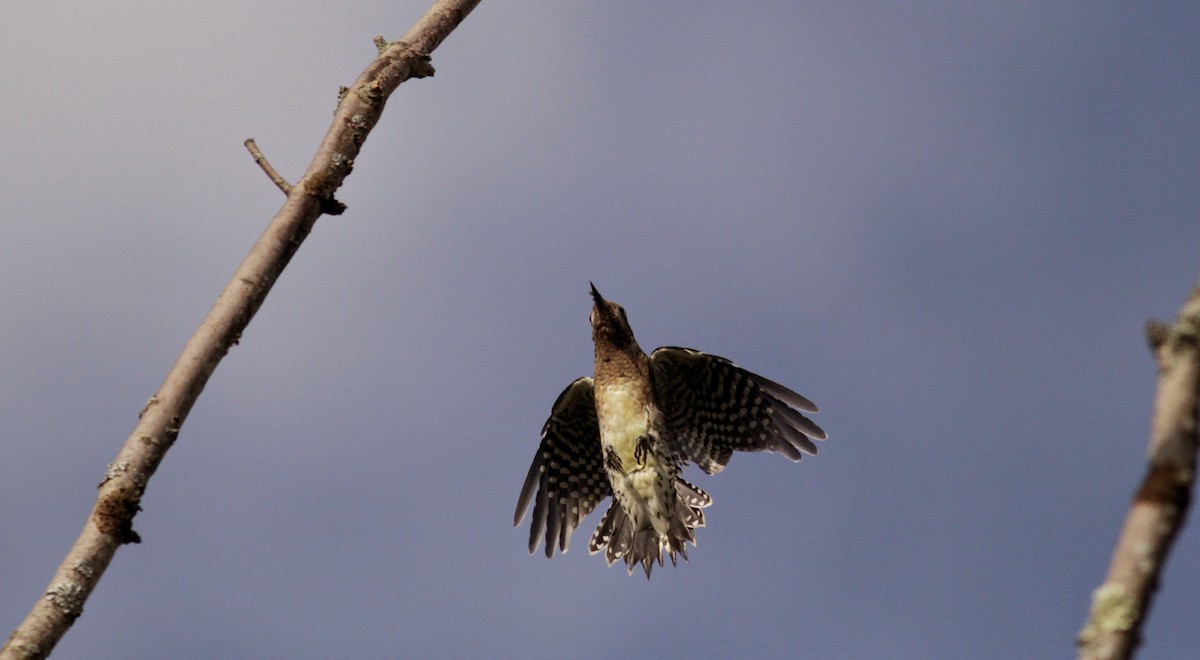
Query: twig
{"x": 262, "y": 161}
{"x": 110, "y": 524}
{"x": 1159, "y": 508}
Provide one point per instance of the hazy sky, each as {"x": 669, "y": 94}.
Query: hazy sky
{"x": 944, "y": 222}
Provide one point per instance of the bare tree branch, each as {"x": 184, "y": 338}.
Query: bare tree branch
{"x": 265, "y": 164}
{"x": 110, "y": 524}
{"x": 1159, "y": 508}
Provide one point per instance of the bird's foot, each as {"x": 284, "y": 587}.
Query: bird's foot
{"x": 611, "y": 460}
{"x": 642, "y": 448}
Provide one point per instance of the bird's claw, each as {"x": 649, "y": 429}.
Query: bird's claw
{"x": 611, "y": 460}
{"x": 641, "y": 449}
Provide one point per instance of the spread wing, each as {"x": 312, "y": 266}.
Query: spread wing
{"x": 715, "y": 408}
{"x": 567, "y": 471}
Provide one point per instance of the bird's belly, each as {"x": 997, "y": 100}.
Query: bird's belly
{"x": 624, "y": 419}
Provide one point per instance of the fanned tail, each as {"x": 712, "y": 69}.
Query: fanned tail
{"x": 619, "y": 540}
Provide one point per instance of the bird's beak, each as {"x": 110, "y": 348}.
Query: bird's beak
{"x": 599, "y": 299}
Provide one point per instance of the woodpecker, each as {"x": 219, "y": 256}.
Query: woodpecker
{"x": 629, "y": 432}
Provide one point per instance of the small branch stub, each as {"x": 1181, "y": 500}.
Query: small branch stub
{"x": 262, "y": 161}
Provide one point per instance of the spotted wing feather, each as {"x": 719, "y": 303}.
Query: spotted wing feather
{"x": 567, "y": 473}
{"x": 716, "y": 408}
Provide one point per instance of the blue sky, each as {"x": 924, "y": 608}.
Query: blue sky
{"x": 945, "y": 223}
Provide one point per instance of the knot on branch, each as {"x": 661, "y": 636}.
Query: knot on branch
{"x": 322, "y": 184}
{"x": 1166, "y": 484}
{"x": 114, "y": 515}
{"x": 330, "y": 206}
{"x": 422, "y": 66}
{"x": 406, "y": 51}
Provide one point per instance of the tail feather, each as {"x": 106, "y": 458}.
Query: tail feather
{"x": 619, "y": 540}
{"x": 613, "y": 535}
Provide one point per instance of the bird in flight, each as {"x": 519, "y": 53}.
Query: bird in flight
{"x": 629, "y": 431}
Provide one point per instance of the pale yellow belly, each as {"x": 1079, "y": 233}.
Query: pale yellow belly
{"x": 625, "y": 417}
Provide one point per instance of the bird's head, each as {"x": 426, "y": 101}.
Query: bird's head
{"x": 609, "y": 324}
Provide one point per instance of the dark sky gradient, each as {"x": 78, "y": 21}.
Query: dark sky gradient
{"x": 944, "y": 222}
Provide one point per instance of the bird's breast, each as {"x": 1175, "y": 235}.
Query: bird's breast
{"x": 626, "y": 413}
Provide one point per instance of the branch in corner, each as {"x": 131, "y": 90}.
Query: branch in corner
{"x": 1159, "y": 508}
